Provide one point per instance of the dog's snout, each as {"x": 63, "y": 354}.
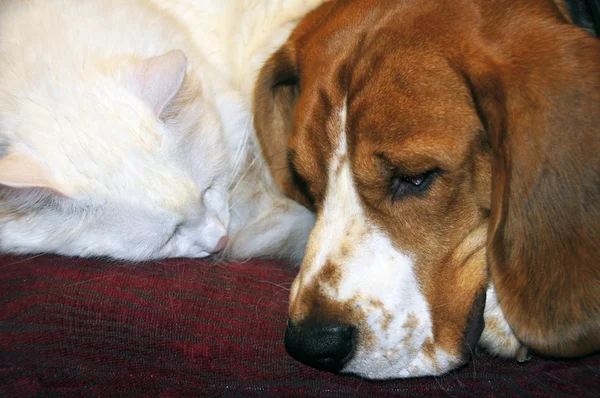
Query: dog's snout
{"x": 326, "y": 347}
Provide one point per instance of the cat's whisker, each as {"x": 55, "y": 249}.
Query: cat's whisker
{"x": 240, "y": 153}
{"x": 246, "y": 172}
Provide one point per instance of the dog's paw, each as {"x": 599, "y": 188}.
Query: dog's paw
{"x": 497, "y": 337}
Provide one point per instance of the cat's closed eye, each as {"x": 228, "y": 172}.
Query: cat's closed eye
{"x": 174, "y": 233}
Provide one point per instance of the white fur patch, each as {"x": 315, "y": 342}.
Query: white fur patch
{"x": 497, "y": 337}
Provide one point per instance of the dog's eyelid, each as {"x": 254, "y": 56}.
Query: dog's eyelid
{"x": 397, "y": 166}
{"x": 286, "y": 77}
{"x": 286, "y": 81}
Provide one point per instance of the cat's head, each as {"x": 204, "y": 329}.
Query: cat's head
{"x": 122, "y": 158}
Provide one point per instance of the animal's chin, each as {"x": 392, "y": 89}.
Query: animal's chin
{"x": 202, "y": 254}
{"x": 418, "y": 366}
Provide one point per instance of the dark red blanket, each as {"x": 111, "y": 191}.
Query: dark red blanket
{"x": 190, "y": 328}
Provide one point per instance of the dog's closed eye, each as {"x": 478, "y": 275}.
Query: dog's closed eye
{"x": 402, "y": 186}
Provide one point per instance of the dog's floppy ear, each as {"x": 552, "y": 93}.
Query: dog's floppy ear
{"x": 275, "y": 96}
{"x": 537, "y": 91}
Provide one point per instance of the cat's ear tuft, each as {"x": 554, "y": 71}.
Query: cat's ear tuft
{"x": 158, "y": 79}
{"x": 20, "y": 169}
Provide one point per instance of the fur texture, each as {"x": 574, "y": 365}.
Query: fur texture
{"x": 124, "y": 130}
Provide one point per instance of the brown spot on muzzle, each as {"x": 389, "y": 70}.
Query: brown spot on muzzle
{"x": 412, "y": 321}
{"x": 388, "y": 317}
{"x": 429, "y": 349}
{"x": 312, "y": 306}
{"x": 331, "y": 275}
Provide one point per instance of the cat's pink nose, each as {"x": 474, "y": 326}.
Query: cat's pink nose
{"x": 221, "y": 244}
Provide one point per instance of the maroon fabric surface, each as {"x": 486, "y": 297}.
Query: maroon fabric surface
{"x": 72, "y": 327}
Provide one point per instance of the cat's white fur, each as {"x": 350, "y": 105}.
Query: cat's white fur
{"x": 238, "y": 36}
{"x": 112, "y": 143}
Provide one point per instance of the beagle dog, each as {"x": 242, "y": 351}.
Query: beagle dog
{"x": 451, "y": 151}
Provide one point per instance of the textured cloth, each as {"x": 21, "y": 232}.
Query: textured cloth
{"x": 73, "y": 327}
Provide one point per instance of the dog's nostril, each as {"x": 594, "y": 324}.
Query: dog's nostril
{"x": 326, "y": 347}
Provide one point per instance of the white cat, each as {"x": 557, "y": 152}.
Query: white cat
{"x": 238, "y": 36}
{"x": 122, "y": 136}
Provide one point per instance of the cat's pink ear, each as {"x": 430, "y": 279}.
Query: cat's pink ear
{"x": 158, "y": 79}
{"x": 19, "y": 169}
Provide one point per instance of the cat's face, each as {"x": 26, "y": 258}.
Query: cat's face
{"x": 127, "y": 162}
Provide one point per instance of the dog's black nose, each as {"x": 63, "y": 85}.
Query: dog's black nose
{"x": 325, "y": 347}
